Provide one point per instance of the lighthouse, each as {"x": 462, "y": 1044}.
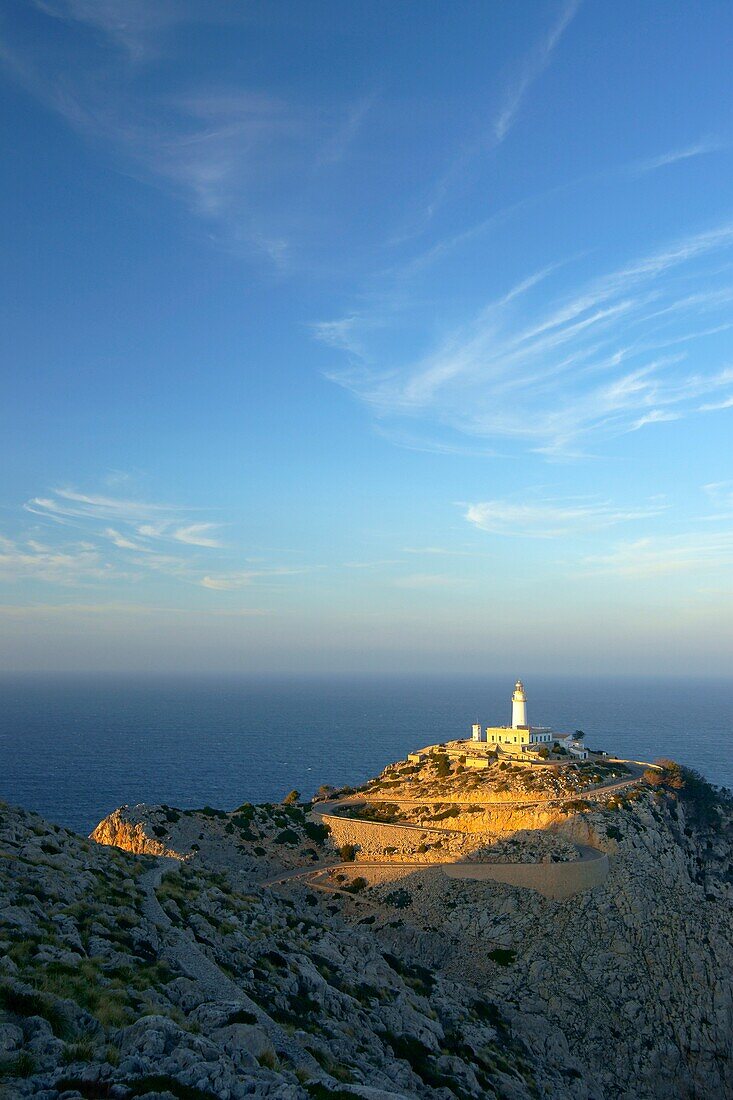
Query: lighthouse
{"x": 519, "y": 707}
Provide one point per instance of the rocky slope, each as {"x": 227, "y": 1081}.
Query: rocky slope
{"x": 128, "y": 974}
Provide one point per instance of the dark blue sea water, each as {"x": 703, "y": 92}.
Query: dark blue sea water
{"x": 74, "y": 748}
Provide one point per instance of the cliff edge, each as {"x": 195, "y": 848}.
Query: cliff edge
{"x": 232, "y": 954}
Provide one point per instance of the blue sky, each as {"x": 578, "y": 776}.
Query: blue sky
{"x": 381, "y": 337}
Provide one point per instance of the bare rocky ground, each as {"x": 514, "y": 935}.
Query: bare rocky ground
{"x": 168, "y": 971}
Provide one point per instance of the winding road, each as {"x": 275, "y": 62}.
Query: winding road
{"x": 586, "y": 853}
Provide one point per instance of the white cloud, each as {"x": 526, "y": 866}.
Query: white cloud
{"x": 148, "y": 523}
{"x": 650, "y": 557}
{"x": 197, "y": 534}
{"x": 438, "y": 550}
{"x": 528, "y": 70}
{"x": 371, "y": 564}
{"x": 236, "y": 156}
{"x": 674, "y": 156}
{"x": 69, "y": 504}
{"x": 226, "y": 582}
{"x": 147, "y": 541}
{"x": 73, "y": 564}
{"x": 715, "y": 406}
{"x": 133, "y": 25}
{"x": 428, "y": 580}
{"x": 340, "y": 334}
{"x": 656, "y": 416}
{"x": 552, "y": 519}
{"x": 336, "y": 146}
{"x": 531, "y": 69}
{"x": 554, "y": 379}
{"x": 720, "y": 494}
{"x": 121, "y": 541}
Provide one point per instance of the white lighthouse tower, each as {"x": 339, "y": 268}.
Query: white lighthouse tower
{"x": 519, "y": 707}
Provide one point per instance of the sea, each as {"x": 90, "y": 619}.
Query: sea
{"x": 73, "y": 748}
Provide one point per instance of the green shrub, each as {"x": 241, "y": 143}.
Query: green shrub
{"x": 34, "y": 1004}
{"x": 418, "y": 1056}
{"x": 268, "y": 1059}
{"x": 442, "y": 766}
{"x": 287, "y": 836}
{"x": 451, "y": 811}
{"x": 503, "y": 956}
{"x": 399, "y": 899}
{"x": 78, "y": 1052}
{"x": 163, "y": 1083}
{"x": 325, "y": 1092}
{"x": 347, "y": 852}
{"x": 20, "y": 1065}
{"x": 241, "y": 1016}
{"x": 291, "y": 798}
{"x": 419, "y": 977}
{"x": 576, "y": 805}
{"x": 316, "y": 831}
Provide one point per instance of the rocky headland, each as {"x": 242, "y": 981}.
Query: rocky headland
{"x": 268, "y": 952}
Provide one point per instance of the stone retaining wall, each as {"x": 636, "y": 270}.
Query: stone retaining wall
{"x": 554, "y": 880}
{"x": 372, "y": 838}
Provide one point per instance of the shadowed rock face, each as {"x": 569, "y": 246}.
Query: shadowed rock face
{"x": 151, "y": 975}
{"x": 120, "y": 976}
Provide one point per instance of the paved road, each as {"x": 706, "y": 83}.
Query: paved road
{"x": 326, "y": 808}
{"x": 586, "y": 854}
{"x": 601, "y": 791}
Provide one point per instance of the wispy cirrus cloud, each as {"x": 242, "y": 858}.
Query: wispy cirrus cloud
{"x": 339, "y": 142}
{"x": 441, "y": 551}
{"x": 197, "y": 534}
{"x": 652, "y": 557}
{"x": 674, "y": 156}
{"x": 146, "y": 522}
{"x": 552, "y": 376}
{"x": 428, "y": 580}
{"x": 720, "y": 496}
{"x": 553, "y": 519}
{"x": 531, "y": 68}
{"x": 123, "y": 539}
{"x": 716, "y": 406}
{"x": 75, "y": 563}
{"x": 235, "y": 154}
{"x": 135, "y": 26}
{"x": 527, "y": 70}
{"x": 67, "y": 503}
{"x": 453, "y": 242}
{"x": 227, "y": 582}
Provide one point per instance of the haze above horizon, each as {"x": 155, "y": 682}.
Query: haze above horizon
{"x": 390, "y": 338}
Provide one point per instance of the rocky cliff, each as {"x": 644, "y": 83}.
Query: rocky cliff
{"x": 221, "y": 972}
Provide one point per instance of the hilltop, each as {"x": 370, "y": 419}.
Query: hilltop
{"x": 257, "y": 953}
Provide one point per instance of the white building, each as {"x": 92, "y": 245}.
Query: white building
{"x": 519, "y": 707}
{"x": 520, "y": 738}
